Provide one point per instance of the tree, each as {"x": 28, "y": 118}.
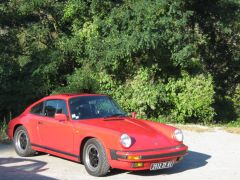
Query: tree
{"x": 120, "y": 48}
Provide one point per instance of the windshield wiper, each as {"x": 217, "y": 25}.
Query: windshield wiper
{"x": 114, "y": 115}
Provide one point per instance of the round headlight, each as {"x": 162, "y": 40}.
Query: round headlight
{"x": 126, "y": 140}
{"x": 178, "y": 135}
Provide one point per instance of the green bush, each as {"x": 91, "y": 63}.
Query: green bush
{"x": 228, "y": 106}
{"x": 3, "y": 127}
{"x": 82, "y": 81}
{"x": 191, "y": 99}
{"x": 236, "y": 101}
{"x": 188, "y": 99}
{"x": 142, "y": 94}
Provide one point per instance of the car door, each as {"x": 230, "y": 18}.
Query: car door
{"x": 36, "y": 113}
{"x": 55, "y": 135}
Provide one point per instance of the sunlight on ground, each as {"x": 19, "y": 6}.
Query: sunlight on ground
{"x": 235, "y": 130}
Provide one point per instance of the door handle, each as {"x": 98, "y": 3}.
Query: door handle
{"x": 39, "y": 122}
{"x": 61, "y": 121}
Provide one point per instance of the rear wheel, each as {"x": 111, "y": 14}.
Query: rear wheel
{"x": 22, "y": 143}
{"x": 94, "y": 158}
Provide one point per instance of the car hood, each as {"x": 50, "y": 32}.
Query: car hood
{"x": 144, "y": 135}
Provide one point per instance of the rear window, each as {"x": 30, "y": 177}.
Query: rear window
{"x": 37, "y": 109}
{"x": 55, "y": 106}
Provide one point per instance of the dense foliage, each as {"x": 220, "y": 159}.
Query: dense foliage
{"x": 178, "y": 59}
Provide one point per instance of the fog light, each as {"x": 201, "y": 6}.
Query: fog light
{"x": 137, "y": 164}
{"x": 134, "y": 157}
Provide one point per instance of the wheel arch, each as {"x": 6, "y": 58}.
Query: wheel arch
{"x": 82, "y": 146}
{"x": 19, "y": 125}
{"x": 22, "y": 151}
{"x": 83, "y": 142}
{"x": 15, "y": 128}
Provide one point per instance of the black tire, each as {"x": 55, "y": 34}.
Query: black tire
{"x": 95, "y": 159}
{"x": 22, "y": 142}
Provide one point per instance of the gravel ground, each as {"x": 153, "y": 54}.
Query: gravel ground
{"x": 212, "y": 155}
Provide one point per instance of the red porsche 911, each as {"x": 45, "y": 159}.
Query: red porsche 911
{"x": 94, "y": 130}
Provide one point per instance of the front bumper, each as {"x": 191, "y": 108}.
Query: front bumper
{"x": 120, "y": 159}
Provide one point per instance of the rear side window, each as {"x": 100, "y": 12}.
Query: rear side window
{"x": 37, "y": 109}
{"x": 55, "y": 106}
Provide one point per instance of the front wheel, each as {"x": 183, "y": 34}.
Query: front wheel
{"x": 22, "y": 143}
{"x": 95, "y": 159}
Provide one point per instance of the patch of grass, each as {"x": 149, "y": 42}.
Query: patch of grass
{"x": 193, "y": 127}
{"x": 234, "y": 123}
{"x": 161, "y": 119}
{"x": 3, "y": 128}
{"x": 233, "y": 127}
{"x": 188, "y": 127}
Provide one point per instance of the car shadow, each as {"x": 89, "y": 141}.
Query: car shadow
{"x": 22, "y": 168}
{"x": 192, "y": 160}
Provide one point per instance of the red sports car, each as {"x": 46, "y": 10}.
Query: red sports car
{"x": 94, "y": 130}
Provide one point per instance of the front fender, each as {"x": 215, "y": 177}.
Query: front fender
{"x": 108, "y": 138}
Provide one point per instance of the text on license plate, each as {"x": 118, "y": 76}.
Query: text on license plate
{"x": 161, "y": 165}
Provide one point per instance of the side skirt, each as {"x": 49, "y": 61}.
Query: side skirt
{"x": 56, "y": 152}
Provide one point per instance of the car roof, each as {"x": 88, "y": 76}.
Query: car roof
{"x": 69, "y": 95}
{"x": 65, "y": 96}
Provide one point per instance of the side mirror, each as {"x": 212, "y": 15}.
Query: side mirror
{"x": 134, "y": 115}
{"x": 60, "y": 117}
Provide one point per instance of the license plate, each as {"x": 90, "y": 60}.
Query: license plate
{"x": 161, "y": 165}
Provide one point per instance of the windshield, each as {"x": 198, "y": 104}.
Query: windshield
{"x": 87, "y": 107}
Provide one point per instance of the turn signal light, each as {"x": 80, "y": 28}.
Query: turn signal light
{"x": 137, "y": 164}
{"x": 134, "y": 157}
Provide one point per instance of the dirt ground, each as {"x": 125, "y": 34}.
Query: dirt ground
{"x": 212, "y": 155}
